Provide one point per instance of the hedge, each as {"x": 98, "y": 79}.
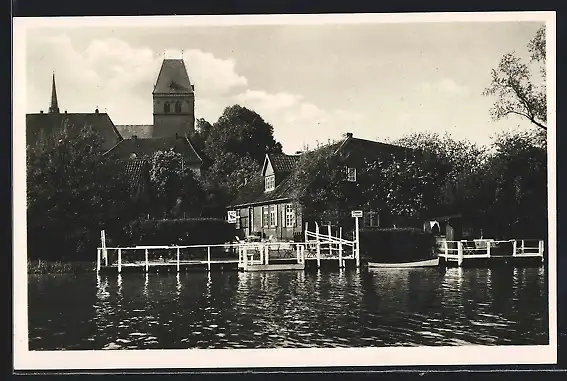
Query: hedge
{"x": 396, "y": 244}
{"x": 191, "y": 231}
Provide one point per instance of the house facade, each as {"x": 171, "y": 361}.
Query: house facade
{"x": 265, "y": 206}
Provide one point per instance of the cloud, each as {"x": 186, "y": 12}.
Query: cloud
{"x": 118, "y": 77}
{"x": 113, "y": 74}
{"x": 297, "y": 122}
{"x": 446, "y": 86}
{"x": 211, "y": 75}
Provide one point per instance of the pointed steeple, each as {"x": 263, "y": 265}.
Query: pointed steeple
{"x": 54, "y": 107}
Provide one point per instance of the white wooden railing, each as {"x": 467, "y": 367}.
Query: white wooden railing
{"x": 337, "y": 247}
{"x": 485, "y": 248}
{"x": 248, "y": 253}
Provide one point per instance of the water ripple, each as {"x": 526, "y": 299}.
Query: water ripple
{"x": 293, "y": 309}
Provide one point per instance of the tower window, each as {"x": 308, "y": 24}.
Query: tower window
{"x": 177, "y": 107}
{"x": 166, "y": 107}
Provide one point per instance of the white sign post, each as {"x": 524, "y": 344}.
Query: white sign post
{"x": 232, "y": 217}
{"x": 356, "y": 214}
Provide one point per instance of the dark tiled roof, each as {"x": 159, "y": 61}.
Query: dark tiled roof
{"x": 136, "y": 171}
{"x": 143, "y": 148}
{"x": 283, "y": 163}
{"x": 368, "y": 148}
{"x": 130, "y": 130}
{"x": 253, "y": 192}
{"x": 47, "y": 124}
{"x": 173, "y": 78}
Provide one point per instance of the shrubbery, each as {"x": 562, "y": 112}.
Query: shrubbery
{"x": 391, "y": 245}
{"x": 194, "y": 231}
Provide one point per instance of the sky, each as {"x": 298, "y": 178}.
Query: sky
{"x": 312, "y": 83}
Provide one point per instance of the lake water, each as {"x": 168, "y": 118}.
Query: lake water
{"x": 350, "y": 308}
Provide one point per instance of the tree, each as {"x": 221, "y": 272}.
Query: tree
{"x": 72, "y": 193}
{"x": 515, "y": 88}
{"x": 176, "y": 191}
{"x": 242, "y": 132}
{"x": 518, "y": 170}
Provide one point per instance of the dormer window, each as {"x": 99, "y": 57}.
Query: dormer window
{"x": 166, "y": 108}
{"x": 351, "y": 174}
{"x": 269, "y": 183}
{"x": 177, "y": 107}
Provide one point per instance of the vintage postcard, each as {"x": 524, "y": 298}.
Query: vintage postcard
{"x": 284, "y": 191}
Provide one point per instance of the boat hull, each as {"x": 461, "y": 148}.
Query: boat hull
{"x": 424, "y": 263}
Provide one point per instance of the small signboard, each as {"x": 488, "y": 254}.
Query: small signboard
{"x": 232, "y": 216}
{"x": 356, "y": 213}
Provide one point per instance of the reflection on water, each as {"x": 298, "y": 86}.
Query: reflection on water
{"x": 344, "y": 308}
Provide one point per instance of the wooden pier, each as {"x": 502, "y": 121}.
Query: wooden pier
{"x": 317, "y": 249}
{"x": 487, "y": 251}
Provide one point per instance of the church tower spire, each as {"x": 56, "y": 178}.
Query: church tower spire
{"x": 54, "y": 107}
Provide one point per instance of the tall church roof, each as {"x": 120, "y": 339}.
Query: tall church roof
{"x": 44, "y": 125}
{"x": 144, "y": 148}
{"x": 173, "y": 78}
{"x": 54, "y": 106}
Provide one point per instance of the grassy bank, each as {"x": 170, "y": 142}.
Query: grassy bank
{"x": 59, "y": 267}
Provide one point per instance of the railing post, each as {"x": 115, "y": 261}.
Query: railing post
{"x": 297, "y": 254}
{"x": 459, "y": 253}
{"x": 245, "y": 258}
{"x": 177, "y": 259}
{"x": 357, "y": 243}
{"x": 261, "y": 251}
{"x": 302, "y": 254}
{"x": 305, "y": 232}
{"x": 98, "y": 260}
{"x": 488, "y": 248}
{"x": 446, "y": 244}
{"x": 318, "y": 253}
{"x": 147, "y": 260}
{"x": 267, "y": 254}
{"x": 540, "y": 249}
{"x": 523, "y": 249}
{"x": 341, "y": 261}
{"x": 514, "y": 247}
{"x": 208, "y": 258}
{"x": 119, "y": 261}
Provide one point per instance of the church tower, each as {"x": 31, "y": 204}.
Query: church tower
{"x": 174, "y": 101}
{"x": 54, "y": 106}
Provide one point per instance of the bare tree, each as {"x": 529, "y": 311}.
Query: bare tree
{"x": 513, "y": 85}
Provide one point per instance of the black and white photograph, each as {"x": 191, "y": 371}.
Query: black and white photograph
{"x": 284, "y": 191}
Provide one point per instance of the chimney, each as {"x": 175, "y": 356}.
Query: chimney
{"x": 349, "y": 135}
{"x": 96, "y": 110}
{"x": 65, "y": 111}
{"x": 298, "y": 152}
{"x": 41, "y": 111}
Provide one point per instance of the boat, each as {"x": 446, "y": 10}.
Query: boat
{"x": 423, "y": 263}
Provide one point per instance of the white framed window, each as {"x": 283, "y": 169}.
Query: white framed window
{"x": 265, "y": 216}
{"x": 289, "y": 216}
{"x": 269, "y": 183}
{"x": 237, "y": 224}
{"x": 371, "y": 219}
{"x": 351, "y": 174}
{"x": 273, "y": 215}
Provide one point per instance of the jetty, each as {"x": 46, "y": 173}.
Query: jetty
{"x": 316, "y": 251}
{"x": 487, "y": 251}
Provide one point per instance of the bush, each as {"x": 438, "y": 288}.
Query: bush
{"x": 193, "y": 231}
{"x": 396, "y": 245}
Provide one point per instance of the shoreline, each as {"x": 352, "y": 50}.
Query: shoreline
{"x": 38, "y": 267}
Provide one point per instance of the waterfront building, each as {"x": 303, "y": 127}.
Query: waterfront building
{"x": 265, "y": 205}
